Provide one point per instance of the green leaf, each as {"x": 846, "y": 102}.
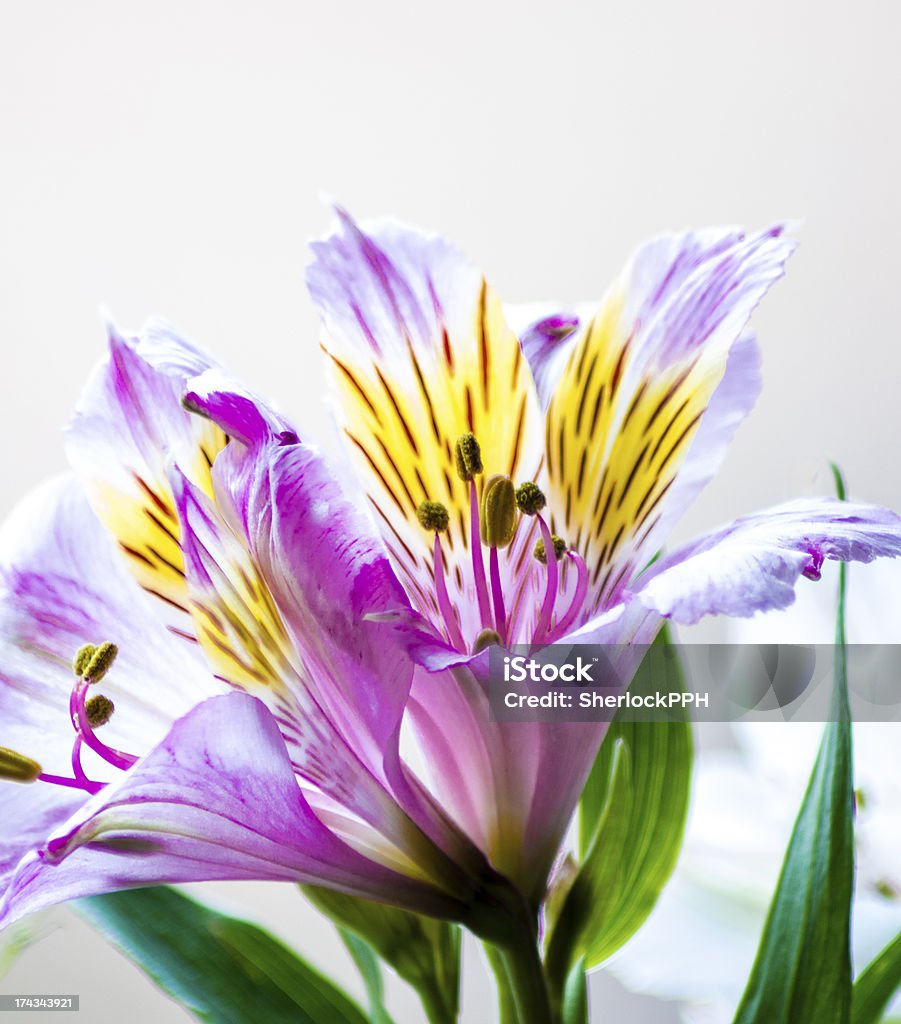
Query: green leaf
{"x": 803, "y": 967}
{"x": 425, "y": 952}
{"x": 875, "y": 987}
{"x": 575, "y": 996}
{"x": 370, "y": 970}
{"x": 632, "y": 818}
{"x": 221, "y": 969}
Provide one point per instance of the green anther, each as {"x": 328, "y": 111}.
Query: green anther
{"x": 530, "y": 498}
{"x": 467, "y": 456}
{"x": 432, "y": 515}
{"x": 16, "y": 767}
{"x": 497, "y": 513}
{"x": 82, "y": 656}
{"x": 99, "y": 710}
{"x": 487, "y": 638}
{"x": 100, "y": 662}
{"x": 559, "y": 549}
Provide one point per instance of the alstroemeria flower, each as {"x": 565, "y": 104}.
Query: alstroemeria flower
{"x": 616, "y": 419}
{"x": 327, "y": 624}
{"x": 257, "y": 716}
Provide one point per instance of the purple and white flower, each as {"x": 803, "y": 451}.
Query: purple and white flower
{"x": 280, "y": 634}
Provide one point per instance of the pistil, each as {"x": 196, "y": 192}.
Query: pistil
{"x": 432, "y": 515}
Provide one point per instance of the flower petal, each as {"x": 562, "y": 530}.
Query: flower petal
{"x": 217, "y": 799}
{"x": 636, "y": 385}
{"x": 754, "y": 563}
{"x": 513, "y": 786}
{"x": 129, "y": 422}
{"x": 419, "y": 353}
{"x": 62, "y": 584}
{"x": 279, "y": 582}
{"x": 547, "y": 342}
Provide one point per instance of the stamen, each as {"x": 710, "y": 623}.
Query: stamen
{"x": 61, "y": 780}
{"x": 117, "y": 758}
{"x": 16, "y": 767}
{"x": 77, "y": 769}
{"x": 432, "y": 515}
{"x": 530, "y": 499}
{"x": 444, "y": 603}
{"x": 569, "y": 616}
{"x": 498, "y": 512}
{"x": 478, "y": 566}
{"x": 497, "y": 595}
{"x": 82, "y": 656}
{"x": 99, "y": 662}
{"x": 487, "y": 638}
{"x": 550, "y": 593}
{"x": 467, "y": 457}
{"x": 99, "y": 710}
{"x": 539, "y": 552}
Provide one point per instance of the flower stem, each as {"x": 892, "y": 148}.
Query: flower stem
{"x": 522, "y": 966}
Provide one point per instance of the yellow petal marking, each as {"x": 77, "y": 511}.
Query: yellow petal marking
{"x": 141, "y": 516}
{"x": 615, "y": 445}
{"x": 403, "y": 417}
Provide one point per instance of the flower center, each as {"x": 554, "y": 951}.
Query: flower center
{"x": 493, "y": 523}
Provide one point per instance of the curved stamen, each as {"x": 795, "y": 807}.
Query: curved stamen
{"x": 117, "y": 758}
{"x": 61, "y": 780}
{"x": 569, "y": 616}
{"x": 444, "y": 603}
{"x": 77, "y": 769}
{"x": 550, "y": 594}
{"x": 478, "y": 566}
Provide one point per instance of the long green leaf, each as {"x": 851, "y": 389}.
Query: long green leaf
{"x": 803, "y": 967}
{"x": 632, "y": 818}
{"x": 364, "y": 956}
{"x": 875, "y": 987}
{"x": 221, "y": 969}
{"x": 424, "y": 952}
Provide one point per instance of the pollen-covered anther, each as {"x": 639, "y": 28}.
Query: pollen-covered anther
{"x": 16, "y": 767}
{"x": 559, "y": 549}
{"x": 99, "y": 710}
{"x": 497, "y": 513}
{"x": 530, "y": 499}
{"x": 432, "y": 515}
{"x": 82, "y": 656}
{"x": 100, "y": 662}
{"x": 467, "y": 457}
{"x": 487, "y": 638}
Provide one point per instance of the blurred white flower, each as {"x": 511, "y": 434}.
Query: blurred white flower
{"x": 699, "y": 944}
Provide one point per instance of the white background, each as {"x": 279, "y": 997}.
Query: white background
{"x": 168, "y": 158}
